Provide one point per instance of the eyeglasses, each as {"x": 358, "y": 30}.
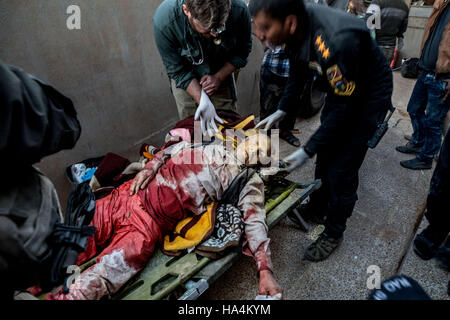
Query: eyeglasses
{"x": 218, "y": 30}
{"x": 214, "y": 31}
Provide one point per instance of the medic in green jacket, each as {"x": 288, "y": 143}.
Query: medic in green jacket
{"x": 187, "y": 54}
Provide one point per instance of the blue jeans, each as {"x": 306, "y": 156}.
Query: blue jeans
{"x": 427, "y": 110}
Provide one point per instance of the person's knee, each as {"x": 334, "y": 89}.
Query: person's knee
{"x": 417, "y": 102}
{"x": 343, "y": 190}
{"x": 343, "y": 200}
{"x": 414, "y": 109}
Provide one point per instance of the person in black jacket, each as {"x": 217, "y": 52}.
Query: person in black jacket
{"x": 431, "y": 242}
{"x": 358, "y": 81}
{"x": 394, "y": 22}
{"x": 427, "y": 243}
{"x": 339, "y": 4}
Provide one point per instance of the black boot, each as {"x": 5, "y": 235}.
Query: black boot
{"x": 443, "y": 255}
{"x": 322, "y": 247}
{"x": 309, "y": 214}
{"x": 427, "y": 243}
{"x": 409, "y": 148}
{"x": 417, "y": 164}
{"x": 448, "y": 288}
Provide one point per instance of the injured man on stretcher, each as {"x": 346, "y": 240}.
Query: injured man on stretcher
{"x": 177, "y": 183}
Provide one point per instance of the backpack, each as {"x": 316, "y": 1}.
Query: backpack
{"x": 410, "y": 68}
{"x": 29, "y": 211}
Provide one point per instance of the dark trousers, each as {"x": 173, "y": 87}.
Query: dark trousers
{"x": 271, "y": 88}
{"x": 388, "y": 52}
{"x": 438, "y": 212}
{"x": 338, "y": 168}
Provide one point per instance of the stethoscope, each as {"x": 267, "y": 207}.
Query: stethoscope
{"x": 195, "y": 63}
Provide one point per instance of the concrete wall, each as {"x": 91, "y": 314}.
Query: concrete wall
{"x": 110, "y": 69}
{"x": 418, "y": 17}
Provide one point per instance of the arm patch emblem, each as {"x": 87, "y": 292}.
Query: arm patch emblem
{"x": 341, "y": 86}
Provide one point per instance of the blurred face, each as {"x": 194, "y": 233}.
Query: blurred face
{"x": 254, "y": 149}
{"x": 273, "y": 32}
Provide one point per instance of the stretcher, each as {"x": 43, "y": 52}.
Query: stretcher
{"x": 188, "y": 276}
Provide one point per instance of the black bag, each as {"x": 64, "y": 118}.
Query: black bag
{"x": 70, "y": 238}
{"x": 29, "y": 211}
{"x": 410, "y": 68}
{"x": 232, "y": 193}
{"x": 36, "y": 246}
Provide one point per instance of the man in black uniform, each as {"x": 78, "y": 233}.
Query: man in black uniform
{"x": 431, "y": 242}
{"x": 426, "y": 244}
{"x": 358, "y": 80}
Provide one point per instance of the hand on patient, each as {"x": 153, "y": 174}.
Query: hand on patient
{"x": 296, "y": 159}
{"x": 271, "y": 120}
{"x": 141, "y": 180}
{"x": 207, "y": 115}
{"x": 267, "y": 284}
{"x": 210, "y": 83}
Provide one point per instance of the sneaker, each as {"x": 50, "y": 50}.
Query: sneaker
{"x": 409, "y": 148}
{"x": 426, "y": 244}
{"x": 322, "y": 248}
{"x": 417, "y": 164}
{"x": 309, "y": 214}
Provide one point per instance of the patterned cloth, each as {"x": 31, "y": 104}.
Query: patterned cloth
{"x": 276, "y": 61}
{"x": 228, "y": 229}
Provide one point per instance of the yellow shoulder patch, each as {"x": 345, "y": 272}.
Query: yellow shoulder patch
{"x": 318, "y": 40}
{"x": 326, "y": 54}
{"x": 322, "y": 47}
{"x": 341, "y": 86}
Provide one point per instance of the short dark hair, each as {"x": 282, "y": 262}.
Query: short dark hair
{"x": 277, "y": 9}
{"x": 210, "y": 13}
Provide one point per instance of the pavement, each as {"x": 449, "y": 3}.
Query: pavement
{"x": 386, "y": 218}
